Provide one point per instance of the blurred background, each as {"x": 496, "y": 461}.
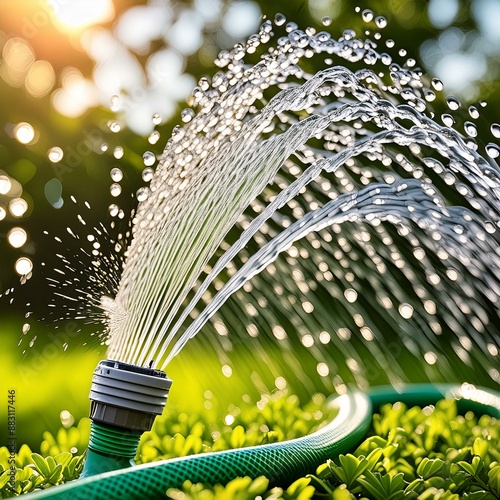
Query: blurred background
{"x": 86, "y": 88}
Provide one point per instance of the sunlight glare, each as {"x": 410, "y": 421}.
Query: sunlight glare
{"x": 78, "y": 14}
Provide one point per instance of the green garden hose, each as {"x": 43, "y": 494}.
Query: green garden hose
{"x": 282, "y": 462}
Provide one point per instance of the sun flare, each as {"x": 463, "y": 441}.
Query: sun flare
{"x": 75, "y": 15}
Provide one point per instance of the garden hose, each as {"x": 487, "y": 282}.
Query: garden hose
{"x": 282, "y": 462}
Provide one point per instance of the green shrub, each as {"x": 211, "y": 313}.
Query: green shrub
{"x": 411, "y": 453}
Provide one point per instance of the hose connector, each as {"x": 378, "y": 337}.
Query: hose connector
{"x": 125, "y": 400}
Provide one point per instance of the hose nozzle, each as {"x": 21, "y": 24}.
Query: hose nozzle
{"x": 125, "y": 400}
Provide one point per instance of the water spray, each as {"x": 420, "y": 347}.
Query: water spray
{"x": 125, "y": 400}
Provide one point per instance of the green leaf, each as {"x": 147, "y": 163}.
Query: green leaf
{"x": 494, "y": 479}
{"x": 353, "y": 467}
{"x": 374, "y": 485}
{"x": 63, "y": 458}
{"x": 24, "y": 474}
{"x": 41, "y": 464}
{"x": 56, "y": 474}
{"x": 480, "y": 447}
{"x": 23, "y": 457}
{"x": 237, "y": 439}
{"x": 429, "y": 467}
{"x": 473, "y": 468}
{"x": 341, "y": 493}
{"x": 339, "y": 472}
{"x": 4, "y": 478}
{"x": 51, "y": 463}
{"x": 258, "y": 486}
{"x": 374, "y": 457}
{"x": 467, "y": 467}
{"x": 300, "y": 489}
{"x": 416, "y": 485}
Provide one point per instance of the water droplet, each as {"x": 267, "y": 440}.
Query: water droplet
{"x": 473, "y": 112}
{"x": 266, "y": 26}
{"x": 430, "y": 357}
{"x": 113, "y": 210}
{"x": 493, "y": 150}
{"x": 406, "y": 310}
{"x": 114, "y": 103}
{"x": 204, "y": 83}
{"x": 116, "y": 174}
{"x": 156, "y": 119}
{"x": 115, "y": 190}
{"x": 3, "y": 213}
{"x": 381, "y": 22}
{"x": 149, "y": 158}
{"x": 104, "y": 147}
{"x": 349, "y": 34}
{"x": 470, "y": 129}
{"x": 495, "y": 130}
{"x": 187, "y": 114}
{"x": 448, "y": 120}
{"x": 26, "y": 328}
{"x": 326, "y": 21}
{"x": 386, "y": 59}
{"x": 437, "y": 84}
{"x": 55, "y": 154}
{"x": 367, "y": 15}
{"x": 114, "y": 126}
{"x": 118, "y": 152}
{"x": 453, "y": 103}
{"x": 429, "y": 95}
{"x": 147, "y": 174}
{"x": 142, "y": 193}
{"x": 154, "y": 137}
{"x": 389, "y": 43}
{"x": 279, "y": 19}
{"x": 351, "y": 295}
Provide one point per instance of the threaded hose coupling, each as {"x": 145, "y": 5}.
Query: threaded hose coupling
{"x": 127, "y": 396}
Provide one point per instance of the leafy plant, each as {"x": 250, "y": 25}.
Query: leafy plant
{"x": 413, "y": 453}
{"x": 419, "y": 454}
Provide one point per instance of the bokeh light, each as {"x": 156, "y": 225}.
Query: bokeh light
{"x": 55, "y": 154}
{"x": 79, "y": 14}
{"x": 17, "y": 237}
{"x": 23, "y": 266}
{"x": 5, "y": 184}
{"x": 40, "y": 79}
{"x": 18, "y": 56}
{"x": 24, "y": 132}
{"x": 18, "y": 207}
{"x": 76, "y": 95}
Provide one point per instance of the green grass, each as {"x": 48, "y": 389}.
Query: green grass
{"x": 410, "y": 453}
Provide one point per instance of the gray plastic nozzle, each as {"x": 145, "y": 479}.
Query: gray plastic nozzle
{"x": 127, "y": 396}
